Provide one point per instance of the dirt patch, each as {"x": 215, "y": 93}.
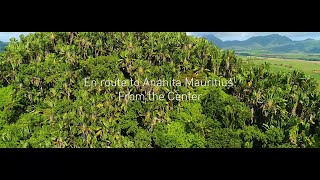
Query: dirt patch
{"x": 316, "y": 71}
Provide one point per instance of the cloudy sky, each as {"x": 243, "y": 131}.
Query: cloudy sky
{"x": 226, "y": 36}
{"x": 5, "y": 36}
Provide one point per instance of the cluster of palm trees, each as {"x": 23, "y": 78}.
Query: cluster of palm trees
{"x": 47, "y": 70}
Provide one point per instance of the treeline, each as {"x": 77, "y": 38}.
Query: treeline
{"x": 44, "y": 102}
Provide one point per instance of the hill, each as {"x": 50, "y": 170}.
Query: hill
{"x": 2, "y": 45}
{"x": 268, "y": 45}
{"x": 214, "y": 39}
{"x": 121, "y": 90}
{"x": 258, "y": 42}
{"x": 306, "y": 46}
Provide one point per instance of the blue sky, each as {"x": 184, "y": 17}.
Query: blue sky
{"x": 226, "y": 36}
{"x": 5, "y": 36}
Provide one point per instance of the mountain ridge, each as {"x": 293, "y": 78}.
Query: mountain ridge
{"x": 274, "y": 43}
{"x": 261, "y": 40}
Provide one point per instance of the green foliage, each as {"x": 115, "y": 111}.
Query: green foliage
{"x": 45, "y": 101}
{"x": 191, "y": 115}
{"x": 223, "y": 138}
{"x": 11, "y": 104}
{"x": 174, "y": 135}
{"x": 226, "y": 109}
{"x": 143, "y": 139}
{"x": 252, "y": 137}
{"x": 274, "y": 137}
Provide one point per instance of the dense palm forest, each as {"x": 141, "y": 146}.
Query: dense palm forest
{"x": 44, "y": 102}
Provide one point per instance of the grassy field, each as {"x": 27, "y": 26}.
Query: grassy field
{"x": 289, "y": 56}
{"x": 311, "y": 68}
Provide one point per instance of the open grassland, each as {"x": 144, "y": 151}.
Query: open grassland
{"x": 289, "y": 56}
{"x": 311, "y": 68}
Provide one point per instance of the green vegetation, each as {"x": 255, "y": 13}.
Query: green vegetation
{"x": 289, "y": 56}
{"x": 44, "y": 102}
{"x": 310, "y": 68}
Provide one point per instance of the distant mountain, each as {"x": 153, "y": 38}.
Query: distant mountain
{"x": 309, "y": 39}
{"x": 213, "y": 39}
{"x": 306, "y": 46}
{"x": 273, "y": 39}
{"x": 259, "y": 41}
{"x": 2, "y": 45}
{"x": 273, "y": 43}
